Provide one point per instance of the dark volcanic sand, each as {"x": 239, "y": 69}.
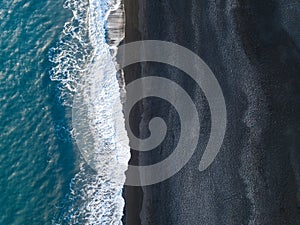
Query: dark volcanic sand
{"x": 252, "y": 46}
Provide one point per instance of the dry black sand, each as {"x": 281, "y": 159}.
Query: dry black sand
{"x": 253, "y": 48}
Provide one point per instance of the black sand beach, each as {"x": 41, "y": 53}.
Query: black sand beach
{"x": 253, "y": 48}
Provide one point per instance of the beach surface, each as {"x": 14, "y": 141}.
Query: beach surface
{"x": 252, "y": 47}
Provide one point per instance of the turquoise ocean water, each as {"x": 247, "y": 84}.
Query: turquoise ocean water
{"x": 43, "y": 179}
{"x": 35, "y": 151}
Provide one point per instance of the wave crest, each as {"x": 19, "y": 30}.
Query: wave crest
{"x": 86, "y": 72}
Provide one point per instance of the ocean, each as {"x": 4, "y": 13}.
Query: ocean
{"x": 58, "y": 78}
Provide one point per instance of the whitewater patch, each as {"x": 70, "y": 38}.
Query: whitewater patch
{"x": 86, "y": 72}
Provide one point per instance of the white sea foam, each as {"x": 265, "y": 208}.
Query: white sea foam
{"x": 87, "y": 74}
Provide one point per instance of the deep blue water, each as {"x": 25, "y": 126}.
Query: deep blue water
{"x": 37, "y": 159}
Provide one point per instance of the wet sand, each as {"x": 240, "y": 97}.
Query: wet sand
{"x": 133, "y": 195}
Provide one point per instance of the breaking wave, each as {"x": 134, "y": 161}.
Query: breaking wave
{"x": 86, "y": 72}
